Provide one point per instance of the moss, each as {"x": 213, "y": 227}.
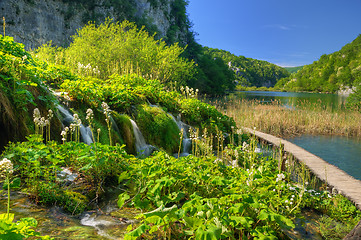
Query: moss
{"x": 74, "y": 202}
{"x": 126, "y": 130}
{"x": 158, "y": 128}
{"x": 49, "y": 193}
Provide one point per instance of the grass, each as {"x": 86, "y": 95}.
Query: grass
{"x": 306, "y": 118}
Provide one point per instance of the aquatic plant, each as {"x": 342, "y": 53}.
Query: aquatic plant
{"x": 307, "y": 119}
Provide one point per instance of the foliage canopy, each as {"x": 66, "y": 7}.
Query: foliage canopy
{"x": 248, "y": 71}
{"x": 330, "y": 73}
{"x": 109, "y": 48}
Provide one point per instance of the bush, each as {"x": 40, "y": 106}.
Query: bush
{"x": 354, "y": 100}
{"x": 122, "y": 48}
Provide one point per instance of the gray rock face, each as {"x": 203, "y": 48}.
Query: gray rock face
{"x": 36, "y": 22}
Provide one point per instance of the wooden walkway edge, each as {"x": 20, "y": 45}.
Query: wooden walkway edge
{"x": 332, "y": 175}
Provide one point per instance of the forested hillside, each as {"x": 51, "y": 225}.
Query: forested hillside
{"x": 248, "y": 71}
{"x": 330, "y": 73}
{"x": 293, "y": 69}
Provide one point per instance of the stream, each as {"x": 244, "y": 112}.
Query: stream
{"x": 107, "y": 221}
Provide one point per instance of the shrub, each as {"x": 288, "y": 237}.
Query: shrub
{"x": 122, "y": 48}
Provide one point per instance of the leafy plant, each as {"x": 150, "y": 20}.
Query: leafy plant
{"x": 121, "y": 48}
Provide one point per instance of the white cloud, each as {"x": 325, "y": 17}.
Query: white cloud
{"x": 285, "y": 27}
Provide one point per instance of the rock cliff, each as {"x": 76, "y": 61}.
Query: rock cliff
{"x": 35, "y": 22}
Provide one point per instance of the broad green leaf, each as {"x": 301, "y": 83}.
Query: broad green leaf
{"x": 210, "y": 233}
{"x": 133, "y": 235}
{"x": 162, "y": 211}
{"x": 122, "y": 198}
{"x": 193, "y": 222}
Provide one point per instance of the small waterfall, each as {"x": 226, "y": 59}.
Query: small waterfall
{"x": 140, "y": 145}
{"x": 186, "y": 142}
{"x": 85, "y": 132}
{"x": 99, "y": 224}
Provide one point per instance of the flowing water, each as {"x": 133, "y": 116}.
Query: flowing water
{"x": 141, "y": 146}
{"x": 340, "y": 151}
{"x": 186, "y": 141}
{"x": 85, "y": 132}
{"x": 108, "y": 222}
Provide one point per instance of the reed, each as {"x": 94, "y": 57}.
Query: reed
{"x": 305, "y": 118}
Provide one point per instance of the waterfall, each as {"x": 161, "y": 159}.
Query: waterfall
{"x": 85, "y": 132}
{"x": 140, "y": 145}
{"x": 186, "y": 142}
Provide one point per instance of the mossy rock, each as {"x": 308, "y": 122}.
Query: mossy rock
{"x": 126, "y": 131}
{"x": 158, "y": 128}
{"x": 74, "y": 202}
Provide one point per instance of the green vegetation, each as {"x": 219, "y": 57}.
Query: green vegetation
{"x": 21, "y": 90}
{"x": 310, "y": 118}
{"x": 354, "y": 99}
{"x": 330, "y": 73}
{"x": 222, "y": 191}
{"x": 248, "y": 71}
{"x": 158, "y": 128}
{"x": 213, "y": 76}
{"x": 120, "y": 48}
{"x": 293, "y": 69}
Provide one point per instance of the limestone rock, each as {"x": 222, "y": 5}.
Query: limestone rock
{"x": 36, "y": 22}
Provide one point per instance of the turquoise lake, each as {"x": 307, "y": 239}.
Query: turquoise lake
{"x": 343, "y": 152}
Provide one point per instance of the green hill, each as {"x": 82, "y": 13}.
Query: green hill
{"x": 293, "y": 69}
{"x": 248, "y": 71}
{"x": 331, "y": 73}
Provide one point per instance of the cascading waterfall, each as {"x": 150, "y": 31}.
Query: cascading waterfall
{"x": 141, "y": 146}
{"x": 85, "y": 132}
{"x": 186, "y": 142}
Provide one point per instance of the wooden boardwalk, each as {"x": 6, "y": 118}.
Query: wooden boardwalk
{"x": 332, "y": 175}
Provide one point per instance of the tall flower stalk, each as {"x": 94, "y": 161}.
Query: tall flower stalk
{"x": 76, "y": 127}
{"x": 107, "y": 111}
{"x": 90, "y": 118}
{"x": 6, "y": 169}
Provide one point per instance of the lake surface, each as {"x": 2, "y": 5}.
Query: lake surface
{"x": 292, "y": 99}
{"x": 343, "y": 152}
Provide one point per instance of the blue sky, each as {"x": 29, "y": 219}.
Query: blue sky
{"x": 284, "y": 32}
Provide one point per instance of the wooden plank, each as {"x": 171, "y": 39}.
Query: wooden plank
{"x": 332, "y": 175}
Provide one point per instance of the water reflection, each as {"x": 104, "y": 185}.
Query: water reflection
{"x": 343, "y": 152}
{"x": 292, "y": 99}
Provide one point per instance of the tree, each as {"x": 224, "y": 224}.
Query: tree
{"x": 120, "y": 48}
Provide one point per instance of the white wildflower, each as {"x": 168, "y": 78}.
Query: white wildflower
{"x": 89, "y": 115}
{"x": 36, "y": 116}
{"x": 280, "y": 177}
{"x": 6, "y": 167}
{"x": 50, "y": 114}
{"x": 257, "y": 150}
{"x": 72, "y": 127}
